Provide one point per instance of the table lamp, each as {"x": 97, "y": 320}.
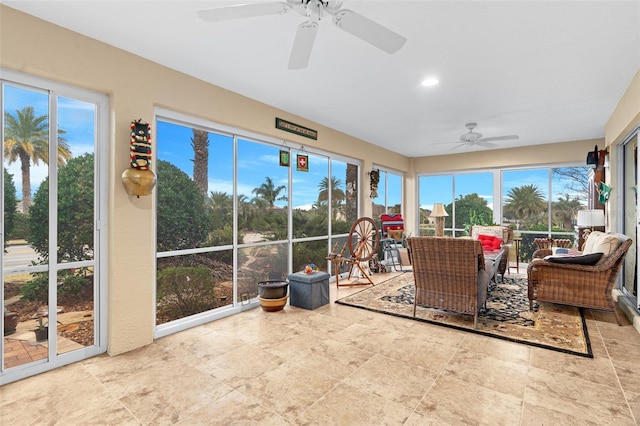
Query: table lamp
{"x": 439, "y": 213}
{"x": 589, "y": 219}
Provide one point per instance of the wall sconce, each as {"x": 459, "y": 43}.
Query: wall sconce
{"x": 439, "y": 213}
{"x": 139, "y": 179}
{"x": 374, "y": 177}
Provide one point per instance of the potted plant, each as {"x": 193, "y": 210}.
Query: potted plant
{"x": 42, "y": 332}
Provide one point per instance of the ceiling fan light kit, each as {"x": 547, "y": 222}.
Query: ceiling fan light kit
{"x": 314, "y": 10}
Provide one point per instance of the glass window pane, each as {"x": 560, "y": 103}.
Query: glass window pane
{"x": 181, "y": 212}
{"x": 76, "y": 327}
{"x": 260, "y": 263}
{"x": 473, "y": 203}
{"x": 263, "y": 185}
{"x": 394, "y": 193}
{"x": 433, "y": 189}
{"x": 220, "y": 190}
{"x": 191, "y": 284}
{"x": 76, "y": 138}
{"x": 311, "y": 197}
{"x": 525, "y": 194}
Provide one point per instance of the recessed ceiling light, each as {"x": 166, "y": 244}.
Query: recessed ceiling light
{"x": 428, "y": 82}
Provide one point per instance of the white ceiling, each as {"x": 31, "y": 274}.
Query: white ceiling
{"x": 548, "y": 71}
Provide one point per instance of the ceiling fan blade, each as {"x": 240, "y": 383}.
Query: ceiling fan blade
{"x": 367, "y": 30}
{"x": 500, "y": 138}
{"x": 484, "y": 144}
{"x": 241, "y": 11}
{"x": 302, "y": 45}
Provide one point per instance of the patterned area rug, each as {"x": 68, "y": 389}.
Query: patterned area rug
{"x": 550, "y": 326}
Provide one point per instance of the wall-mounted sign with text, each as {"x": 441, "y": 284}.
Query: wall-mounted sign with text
{"x": 290, "y": 127}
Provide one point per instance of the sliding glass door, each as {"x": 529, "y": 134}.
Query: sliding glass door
{"x": 52, "y": 253}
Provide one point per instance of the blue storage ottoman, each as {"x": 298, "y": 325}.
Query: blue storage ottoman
{"x": 308, "y": 291}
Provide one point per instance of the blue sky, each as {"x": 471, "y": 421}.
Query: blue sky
{"x": 256, "y": 161}
{"x": 77, "y": 118}
{"x": 439, "y": 188}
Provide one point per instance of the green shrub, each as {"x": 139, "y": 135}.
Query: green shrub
{"x": 184, "y": 291}
{"x": 69, "y": 282}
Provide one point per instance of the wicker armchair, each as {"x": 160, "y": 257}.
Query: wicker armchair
{"x": 449, "y": 274}
{"x": 577, "y": 285}
{"x": 507, "y": 239}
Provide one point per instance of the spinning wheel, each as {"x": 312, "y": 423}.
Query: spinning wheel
{"x": 363, "y": 244}
{"x": 363, "y": 239}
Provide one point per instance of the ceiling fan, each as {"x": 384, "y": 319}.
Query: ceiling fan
{"x": 472, "y": 138}
{"x": 314, "y": 10}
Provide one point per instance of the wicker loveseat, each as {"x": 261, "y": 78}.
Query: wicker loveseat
{"x": 559, "y": 279}
{"x": 449, "y": 274}
{"x": 501, "y": 231}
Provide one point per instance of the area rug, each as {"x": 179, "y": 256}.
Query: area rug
{"x": 507, "y": 317}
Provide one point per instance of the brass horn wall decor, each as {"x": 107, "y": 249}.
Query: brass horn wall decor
{"x": 139, "y": 179}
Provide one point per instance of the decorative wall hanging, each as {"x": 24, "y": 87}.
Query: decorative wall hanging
{"x": 139, "y": 179}
{"x": 604, "y": 191}
{"x": 303, "y": 163}
{"x": 284, "y": 158}
{"x": 374, "y": 177}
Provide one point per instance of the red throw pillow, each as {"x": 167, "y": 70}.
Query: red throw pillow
{"x": 489, "y": 242}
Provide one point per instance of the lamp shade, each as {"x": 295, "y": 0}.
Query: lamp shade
{"x": 590, "y": 218}
{"x": 438, "y": 210}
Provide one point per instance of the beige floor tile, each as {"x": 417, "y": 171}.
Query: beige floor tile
{"x": 417, "y": 349}
{"x": 339, "y": 365}
{"x": 573, "y": 396}
{"x": 346, "y": 405}
{"x": 335, "y": 359}
{"x": 540, "y": 416}
{"x": 241, "y": 365}
{"x": 233, "y": 408}
{"x": 595, "y": 370}
{"x": 66, "y": 393}
{"x": 288, "y": 389}
{"x": 500, "y": 349}
{"x": 455, "y": 402}
{"x": 392, "y": 379}
{"x": 483, "y": 370}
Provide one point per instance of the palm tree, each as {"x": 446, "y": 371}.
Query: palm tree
{"x": 337, "y": 194}
{"x": 200, "y": 145}
{"x": 268, "y": 192}
{"x": 27, "y": 140}
{"x": 221, "y": 205}
{"x": 524, "y": 204}
{"x": 564, "y": 210}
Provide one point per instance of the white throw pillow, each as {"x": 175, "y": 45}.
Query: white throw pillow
{"x": 600, "y": 242}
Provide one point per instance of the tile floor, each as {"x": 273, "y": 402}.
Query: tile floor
{"x": 338, "y": 365}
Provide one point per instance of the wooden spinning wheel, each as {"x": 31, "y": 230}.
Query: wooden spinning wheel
{"x": 363, "y": 244}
